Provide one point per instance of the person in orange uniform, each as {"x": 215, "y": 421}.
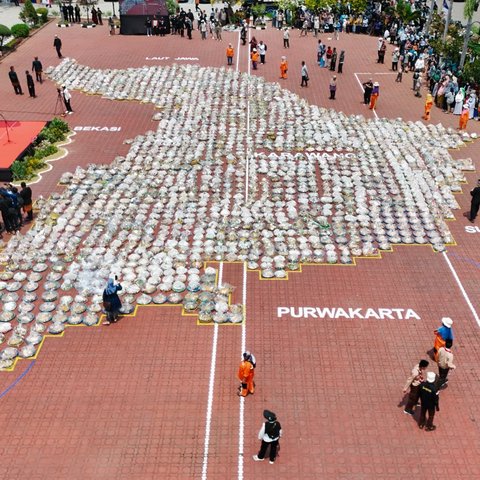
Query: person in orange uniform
{"x": 428, "y": 107}
{"x": 229, "y": 54}
{"x": 442, "y": 334}
{"x": 283, "y": 68}
{"x": 374, "y": 95}
{"x": 255, "y": 56}
{"x": 246, "y": 373}
{"x": 464, "y": 117}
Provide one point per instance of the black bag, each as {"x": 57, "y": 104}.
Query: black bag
{"x": 272, "y": 429}
{"x": 270, "y": 416}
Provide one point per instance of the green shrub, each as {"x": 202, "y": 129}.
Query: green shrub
{"x": 19, "y": 170}
{"x": 43, "y": 12}
{"x": 4, "y": 33}
{"x": 45, "y": 151}
{"x": 20, "y": 30}
{"x": 59, "y": 124}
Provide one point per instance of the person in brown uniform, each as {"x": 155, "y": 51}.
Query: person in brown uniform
{"x": 413, "y": 383}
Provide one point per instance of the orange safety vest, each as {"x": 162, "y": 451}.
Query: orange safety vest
{"x": 255, "y": 56}
{"x": 245, "y": 371}
{"x": 229, "y": 52}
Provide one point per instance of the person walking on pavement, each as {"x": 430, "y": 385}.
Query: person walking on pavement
{"x": 66, "y": 99}
{"x": 442, "y": 334}
{"x": 445, "y": 363}
{"x": 333, "y": 87}
{"x": 283, "y": 68}
{"x": 30, "y": 84}
{"x": 286, "y": 38}
{"x": 429, "y": 399}
{"x": 413, "y": 383}
{"x": 475, "y": 203}
{"x": 367, "y": 91}
{"x": 333, "y": 60}
{"x": 57, "y": 43}
{"x": 262, "y": 50}
{"x": 374, "y": 95}
{"x": 12, "y": 74}
{"x": 38, "y": 69}
{"x": 255, "y": 57}
{"x": 230, "y": 54}
{"x": 341, "y": 61}
{"x": 304, "y": 73}
{"x": 269, "y": 434}
{"x": 246, "y": 372}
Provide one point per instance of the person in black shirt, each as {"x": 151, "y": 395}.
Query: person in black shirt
{"x": 30, "y": 84}
{"x": 26, "y": 194}
{"x": 429, "y": 399}
{"x": 57, "y": 43}
{"x": 15, "y": 82}
{"x": 367, "y": 91}
{"x": 77, "y": 14}
{"x": 37, "y": 67}
{"x": 474, "y": 206}
{"x": 269, "y": 434}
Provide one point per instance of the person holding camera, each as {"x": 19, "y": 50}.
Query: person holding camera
{"x": 111, "y": 300}
{"x": 66, "y": 95}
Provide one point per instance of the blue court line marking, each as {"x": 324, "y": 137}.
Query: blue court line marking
{"x": 18, "y": 379}
{"x": 469, "y": 260}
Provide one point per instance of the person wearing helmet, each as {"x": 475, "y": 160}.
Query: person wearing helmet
{"x": 246, "y": 373}
{"x": 442, "y": 334}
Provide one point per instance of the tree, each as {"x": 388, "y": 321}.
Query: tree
{"x": 4, "y": 33}
{"x": 172, "y": 7}
{"x": 28, "y": 13}
{"x": 405, "y": 14}
{"x": 470, "y": 7}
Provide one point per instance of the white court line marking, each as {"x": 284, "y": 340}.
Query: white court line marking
{"x": 361, "y": 86}
{"x": 241, "y": 416}
{"x": 213, "y": 361}
{"x": 462, "y": 289}
{"x": 211, "y": 387}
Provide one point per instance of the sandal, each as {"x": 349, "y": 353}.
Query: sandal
{"x": 106, "y": 323}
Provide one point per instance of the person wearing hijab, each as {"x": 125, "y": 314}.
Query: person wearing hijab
{"x": 374, "y": 95}
{"x": 246, "y": 372}
{"x": 428, "y": 107}
{"x": 462, "y": 124}
{"x": 459, "y": 101}
{"x": 111, "y": 301}
{"x": 283, "y": 68}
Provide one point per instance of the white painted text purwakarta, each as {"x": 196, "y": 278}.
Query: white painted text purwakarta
{"x": 348, "y": 313}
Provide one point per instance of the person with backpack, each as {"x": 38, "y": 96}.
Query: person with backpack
{"x": 269, "y": 434}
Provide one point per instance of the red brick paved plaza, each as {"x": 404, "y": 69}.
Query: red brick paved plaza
{"x": 130, "y": 401}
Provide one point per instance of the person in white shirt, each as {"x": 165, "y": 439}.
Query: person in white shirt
{"x": 262, "y": 50}
{"x": 269, "y": 434}
{"x": 286, "y": 38}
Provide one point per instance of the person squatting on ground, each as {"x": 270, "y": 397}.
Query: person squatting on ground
{"x": 442, "y": 334}
{"x": 269, "y": 434}
{"x": 413, "y": 383}
{"x": 445, "y": 363}
{"x": 429, "y": 399}
{"x": 246, "y": 372}
{"x": 111, "y": 300}
{"x": 304, "y": 73}
{"x": 475, "y": 202}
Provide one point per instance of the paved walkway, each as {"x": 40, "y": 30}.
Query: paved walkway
{"x": 130, "y": 401}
